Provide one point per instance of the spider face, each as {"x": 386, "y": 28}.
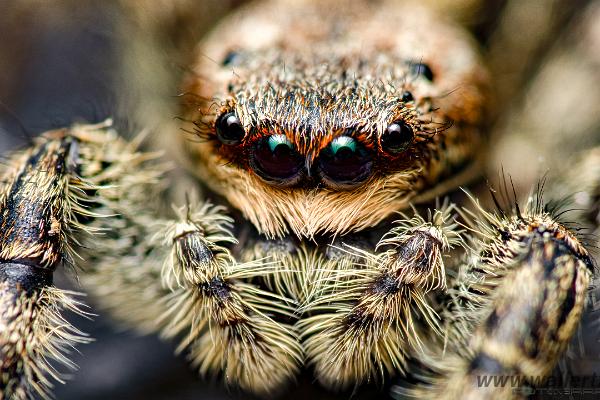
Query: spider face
{"x": 307, "y": 130}
{"x": 322, "y": 150}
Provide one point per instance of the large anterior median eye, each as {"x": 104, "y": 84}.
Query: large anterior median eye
{"x": 276, "y": 161}
{"x": 345, "y": 162}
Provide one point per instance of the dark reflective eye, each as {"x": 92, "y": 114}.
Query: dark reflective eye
{"x": 407, "y": 97}
{"x": 230, "y": 58}
{"x": 398, "y": 136}
{"x": 421, "y": 69}
{"x": 276, "y": 161}
{"x": 345, "y": 162}
{"x": 229, "y": 129}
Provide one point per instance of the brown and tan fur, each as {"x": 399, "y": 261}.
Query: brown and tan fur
{"x": 513, "y": 308}
{"x": 308, "y": 72}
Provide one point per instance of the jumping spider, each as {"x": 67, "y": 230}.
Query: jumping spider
{"x": 313, "y": 134}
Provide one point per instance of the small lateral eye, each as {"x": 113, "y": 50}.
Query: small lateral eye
{"x": 407, "y": 97}
{"x": 421, "y": 69}
{"x": 230, "y": 58}
{"x": 398, "y": 136}
{"x": 229, "y": 129}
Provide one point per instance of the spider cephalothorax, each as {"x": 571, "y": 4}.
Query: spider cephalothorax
{"x": 310, "y": 124}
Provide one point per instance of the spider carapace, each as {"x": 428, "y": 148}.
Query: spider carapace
{"x": 316, "y": 125}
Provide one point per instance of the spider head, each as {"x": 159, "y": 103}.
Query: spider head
{"x": 319, "y": 135}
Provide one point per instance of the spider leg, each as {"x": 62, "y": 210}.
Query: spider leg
{"x": 85, "y": 194}
{"x": 226, "y": 322}
{"x": 178, "y": 276}
{"x": 514, "y": 308}
{"x": 41, "y": 206}
{"x": 370, "y": 316}
{"x": 55, "y": 201}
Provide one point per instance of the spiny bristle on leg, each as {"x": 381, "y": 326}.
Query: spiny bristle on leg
{"x": 373, "y": 314}
{"x": 513, "y": 308}
{"x": 32, "y": 333}
{"x": 501, "y": 237}
{"x": 199, "y": 275}
{"x": 422, "y": 243}
{"x": 122, "y": 265}
{"x": 226, "y": 324}
{"x": 41, "y": 213}
{"x": 124, "y": 271}
{"x": 40, "y": 202}
{"x": 228, "y": 329}
{"x": 299, "y": 273}
{"x": 195, "y": 237}
{"x": 352, "y": 344}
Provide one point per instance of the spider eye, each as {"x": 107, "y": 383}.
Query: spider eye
{"x": 230, "y": 58}
{"x": 345, "y": 162}
{"x": 229, "y": 129}
{"x": 397, "y": 137}
{"x": 276, "y": 161}
{"x": 421, "y": 69}
{"x": 407, "y": 97}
